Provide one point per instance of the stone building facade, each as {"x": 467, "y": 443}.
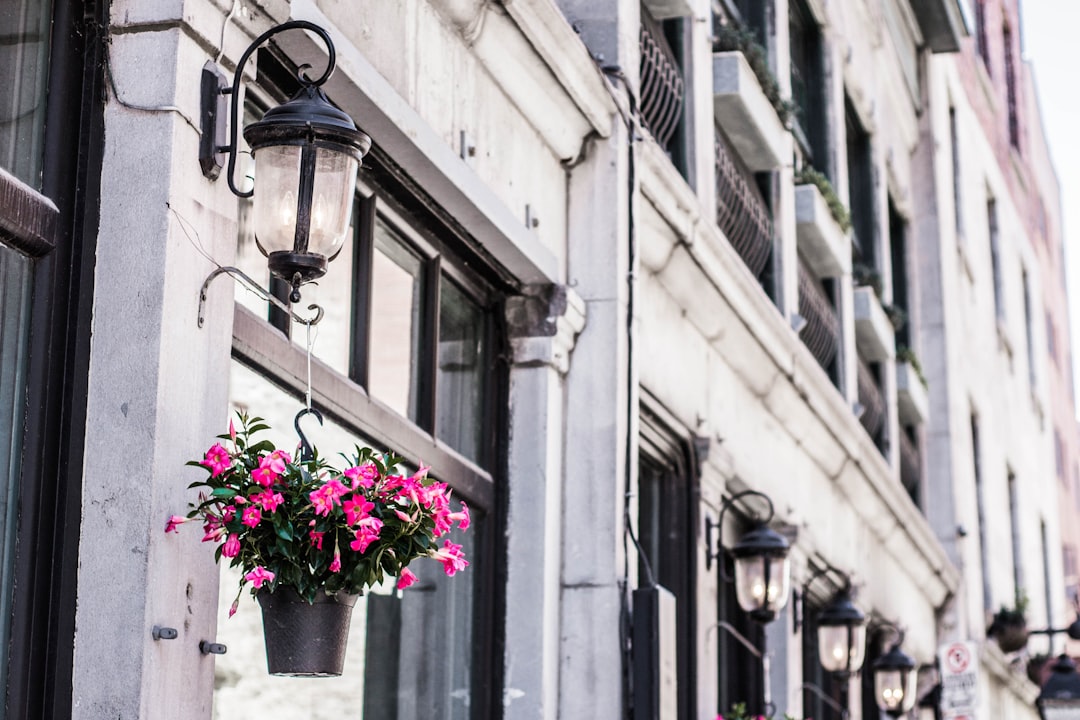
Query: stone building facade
{"x": 611, "y": 265}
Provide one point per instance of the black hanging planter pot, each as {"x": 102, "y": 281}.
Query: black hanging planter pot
{"x": 305, "y": 639}
{"x": 1010, "y": 630}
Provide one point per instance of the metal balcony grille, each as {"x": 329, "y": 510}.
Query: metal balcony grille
{"x": 741, "y": 211}
{"x": 821, "y": 335}
{"x": 910, "y": 467}
{"x": 662, "y": 88}
{"x": 872, "y": 401}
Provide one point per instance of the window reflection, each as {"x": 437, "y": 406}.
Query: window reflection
{"x": 394, "y": 340}
{"x": 460, "y": 382}
{"x": 410, "y": 654}
{"x": 15, "y": 287}
{"x": 24, "y": 55}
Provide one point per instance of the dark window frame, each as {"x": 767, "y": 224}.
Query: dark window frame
{"x": 808, "y": 87}
{"x": 57, "y": 228}
{"x": 673, "y": 561}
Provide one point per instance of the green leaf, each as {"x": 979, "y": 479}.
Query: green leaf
{"x": 224, "y": 492}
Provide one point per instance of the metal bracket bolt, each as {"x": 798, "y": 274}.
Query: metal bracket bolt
{"x": 208, "y": 648}
{"x": 163, "y": 633}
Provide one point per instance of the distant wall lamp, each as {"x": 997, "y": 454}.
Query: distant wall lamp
{"x": 841, "y": 635}
{"x": 895, "y": 678}
{"x": 307, "y": 153}
{"x": 762, "y": 568}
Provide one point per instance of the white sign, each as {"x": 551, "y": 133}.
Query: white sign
{"x": 959, "y": 662}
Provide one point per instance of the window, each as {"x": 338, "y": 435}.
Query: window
{"x": 957, "y": 176}
{"x": 981, "y": 44}
{"x": 1048, "y": 595}
{"x": 48, "y": 202}
{"x": 741, "y": 677}
{"x": 901, "y": 308}
{"x": 1029, "y": 330}
{"x": 812, "y": 672}
{"x": 405, "y": 362}
{"x": 995, "y": 256}
{"x": 667, "y": 492}
{"x": 808, "y": 86}
{"x": 1010, "y": 87}
{"x": 861, "y": 191}
{"x": 980, "y": 504}
{"x": 1017, "y": 547}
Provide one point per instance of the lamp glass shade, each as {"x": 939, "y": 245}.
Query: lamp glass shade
{"x": 276, "y": 197}
{"x": 895, "y": 690}
{"x": 331, "y": 201}
{"x": 841, "y": 648}
{"x": 762, "y": 582}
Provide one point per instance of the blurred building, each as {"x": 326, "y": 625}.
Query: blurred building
{"x": 611, "y": 266}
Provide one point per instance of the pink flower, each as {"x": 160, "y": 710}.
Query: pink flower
{"x": 235, "y": 604}
{"x": 367, "y": 533}
{"x": 217, "y": 459}
{"x": 252, "y": 516}
{"x": 265, "y": 476}
{"x": 316, "y": 538}
{"x": 228, "y": 513}
{"x": 406, "y": 578}
{"x": 275, "y": 461}
{"x": 451, "y": 557}
{"x": 364, "y": 475}
{"x": 174, "y": 522}
{"x": 403, "y": 517}
{"x": 232, "y": 431}
{"x": 231, "y": 548}
{"x": 269, "y": 500}
{"x": 356, "y": 509}
{"x": 258, "y": 576}
{"x": 335, "y": 564}
{"x": 325, "y": 498}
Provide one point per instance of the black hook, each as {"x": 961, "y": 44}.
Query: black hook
{"x": 306, "y": 452}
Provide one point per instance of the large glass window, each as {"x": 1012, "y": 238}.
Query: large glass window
{"x": 24, "y": 55}
{"x": 402, "y": 361}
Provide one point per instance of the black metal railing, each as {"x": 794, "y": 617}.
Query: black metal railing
{"x": 910, "y": 466}
{"x": 741, "y": 211}
{"x": 821, "y": 334}
{"x": 663, "y": 90}
{"x": 873, "y": 402}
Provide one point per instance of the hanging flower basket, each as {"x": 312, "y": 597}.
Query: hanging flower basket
{"x": 1009, "y": 629}
{"x": 310, "y": 538}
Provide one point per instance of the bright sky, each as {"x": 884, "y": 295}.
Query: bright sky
{"x": 1050, "y": 43}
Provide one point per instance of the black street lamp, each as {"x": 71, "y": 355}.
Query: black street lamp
{"x": 1059, "y": 698}
{"x": 841, "y": 635}
{"x": 762, "y": 568}
{"x": 894, "y": 679}
{"x": 307, "y": 153}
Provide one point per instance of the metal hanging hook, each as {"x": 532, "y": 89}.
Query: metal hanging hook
{"x": 307, "y": 453}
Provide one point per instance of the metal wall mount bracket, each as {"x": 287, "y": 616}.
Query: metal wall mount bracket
{"x": 254, "y": 287}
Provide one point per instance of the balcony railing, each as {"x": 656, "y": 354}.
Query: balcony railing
{"x": 741, "y": 211}
{"x": 662, "y": 88}
{"x": 872, "y": 401}
{"x": 910, "y": 467}
{"x": 821, "y": 334}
